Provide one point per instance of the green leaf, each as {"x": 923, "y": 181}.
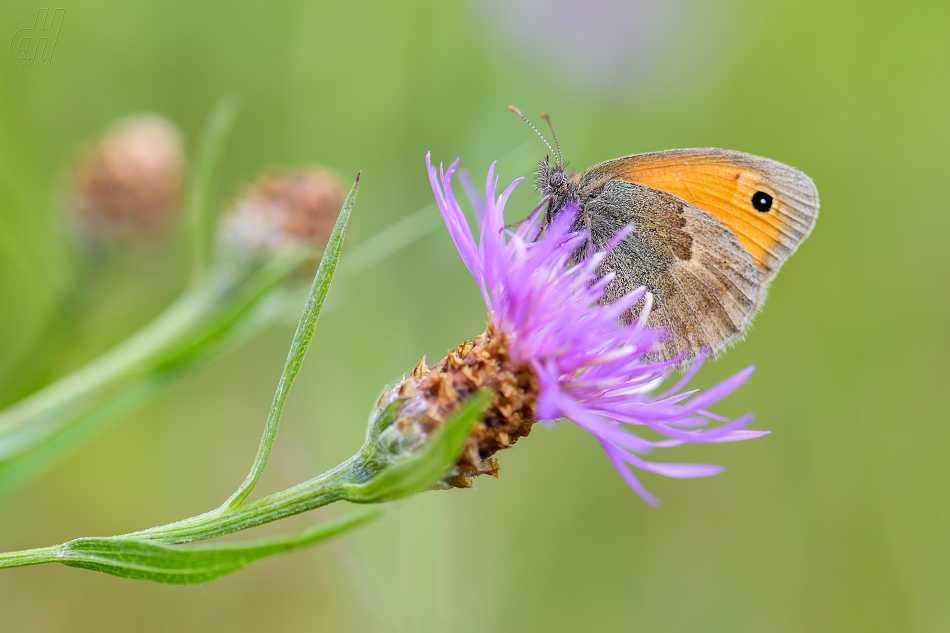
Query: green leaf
{"x": 299, "y": 345}
{"x": 199, "y": 203}
{"x": 421, "y": 471}
{"x": 181, "y": 565}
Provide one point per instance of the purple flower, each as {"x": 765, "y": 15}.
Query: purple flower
{"x": 590, "y": 368}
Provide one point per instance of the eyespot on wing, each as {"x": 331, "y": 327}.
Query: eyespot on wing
{"x": 770, "y": 207}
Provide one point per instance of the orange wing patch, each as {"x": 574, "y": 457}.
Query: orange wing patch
{"x": 722, "y": 183}
{"x": 725, "y": 192}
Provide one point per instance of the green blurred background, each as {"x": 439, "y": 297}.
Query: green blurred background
{"x": 838, "y": 521}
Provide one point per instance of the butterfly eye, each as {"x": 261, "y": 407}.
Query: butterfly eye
{"x": 556, "y": 179}
{"x": 762, "y": 201}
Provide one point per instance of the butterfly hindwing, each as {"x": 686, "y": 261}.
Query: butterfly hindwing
{"x": 706, "y": 287}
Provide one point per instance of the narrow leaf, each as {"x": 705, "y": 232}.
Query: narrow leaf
{"x": 423, "y": 469}
{"x": 185, "y": 565}
{"x": 298, "y": 348}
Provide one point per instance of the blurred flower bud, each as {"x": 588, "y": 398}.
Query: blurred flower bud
{"x": 427, "y": 397}
{"x": 128, "y": 183}
{"x": 284, "y": 212}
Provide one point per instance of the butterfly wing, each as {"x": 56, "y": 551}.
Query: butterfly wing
{"x": 703, "y": 243}
{"x": 770, "y": 207}
{"x": 705, "y": 285}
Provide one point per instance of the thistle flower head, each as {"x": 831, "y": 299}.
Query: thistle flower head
{"x": 128, "y": 183}
{"x": 283, "y": 212}
{"x": 551, "y": 350}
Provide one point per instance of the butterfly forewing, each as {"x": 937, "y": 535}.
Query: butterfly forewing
{"x": 711, "y": 228}
{"x": 770, "y": 207}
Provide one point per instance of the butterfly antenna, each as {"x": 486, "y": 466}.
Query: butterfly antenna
{"x": 560, "y": 159}
{"x": 518, "y": 112}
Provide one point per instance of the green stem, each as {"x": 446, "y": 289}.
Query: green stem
{"x": 364, "y": 478}
{"x": 27, "y": 557}
{"x": 316, "y": 493}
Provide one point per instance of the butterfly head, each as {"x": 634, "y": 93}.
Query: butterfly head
{"x": 552, "y": 180}
{"x": 558, "y": 184}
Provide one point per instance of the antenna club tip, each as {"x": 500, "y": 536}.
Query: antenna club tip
{"x": 544, "y": 115}
{"x": 515, "y": 110}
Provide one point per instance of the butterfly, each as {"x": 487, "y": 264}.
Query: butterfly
{"x": 709, "y": 230}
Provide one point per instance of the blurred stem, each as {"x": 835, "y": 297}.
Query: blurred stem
{"x": 17, "y": 469}
{"x": 199, "y": 315}
{"x": 199, "y": 201}
{"x": 178, "y": 318}
{"x": 34, "y": 364}
{"x": 243, "y": 317}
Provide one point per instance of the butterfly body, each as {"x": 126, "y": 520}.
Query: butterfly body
{"x": 711, "y": 228}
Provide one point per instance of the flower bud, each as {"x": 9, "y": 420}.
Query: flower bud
{"x": 427, "y": 397}
{"x": 128, "y": 183}
{"x": 283, "y": 212}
